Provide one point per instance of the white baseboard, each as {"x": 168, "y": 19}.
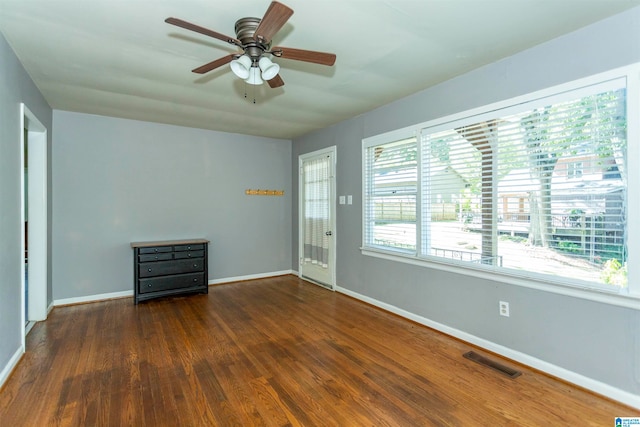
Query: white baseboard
{"x": 28, "y": 327}
{"x": 92, "y": 298}
{"x": 595, "y": 386}
{"x": 123, "y": 294}
{"x": 250, "y": 277}
{"x": 4, "y": 375}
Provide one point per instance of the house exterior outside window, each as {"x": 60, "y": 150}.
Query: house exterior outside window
{"x": 536, "y": 188}
{"x": 574, "y": 170}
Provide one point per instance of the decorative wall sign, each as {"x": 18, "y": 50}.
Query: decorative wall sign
{"x": 264, "y": 192}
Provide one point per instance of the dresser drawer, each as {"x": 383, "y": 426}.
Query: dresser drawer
{"x": 160, "y": 268}
{"x": 156, "y": 249}
{"x": 191, "y": 247}
{"x": 189, "y": 254}
{"x": 160, "y": 256}
{"x": 173, "y": 282}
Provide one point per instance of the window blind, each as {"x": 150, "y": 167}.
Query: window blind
{"x": 540, "y": 190}
{"x": 390, "y": 192}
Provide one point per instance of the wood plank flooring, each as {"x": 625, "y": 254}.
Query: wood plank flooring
{"x": 270, "y": 352}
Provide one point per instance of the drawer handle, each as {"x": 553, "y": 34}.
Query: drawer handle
{"x": 156, "y": 249}
{"x": 149, "y": 285}
{"x": 189, "y": 255}
{"x": 149, "y": 270}
{"x": 195, "y": 265}
{"x": 156, "y": 256}
{"x": 195, "y": 280}
{"x": 188, "y": 247}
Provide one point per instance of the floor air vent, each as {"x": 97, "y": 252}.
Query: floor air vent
{"x": 504, "y": 370}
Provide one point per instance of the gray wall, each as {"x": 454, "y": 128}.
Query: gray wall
{"x": 15, "y": 87}
{"x": 116, "y": 181}
{"x": 596, "y": 340}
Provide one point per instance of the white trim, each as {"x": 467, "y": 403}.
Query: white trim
{"x": 92, "y": 298}
{"x": 629, "y": 297}
{"x": 315, "y": 282}
{"x": 474, "y": 113}
{"x": 36, "y": 191}
{"x": 37, "y": 200}
{"x": 391, "y": 136}
{"x": 404, "y": 136}
{"x": 124, "y": 294}
{"x": 10, "y": 366}
{"x": 250, "y": 277}
{"x": 495, "y": 275}
{"x": 541, "y": 365}
{"x": 332, "y": 152}
{"x": 30, "y": 324}
{"x": 633, "y": 177}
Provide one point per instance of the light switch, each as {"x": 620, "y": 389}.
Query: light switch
{"x": 341, "y": 200}
{"x": 349, "y": 199}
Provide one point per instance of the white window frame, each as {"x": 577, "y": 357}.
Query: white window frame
{"x": 628, "y": 297}
{"x": 575, "y": 170}
{"x": 397, "y": 135}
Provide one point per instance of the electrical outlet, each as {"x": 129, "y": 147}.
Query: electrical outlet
{"x": 504, "y": 308}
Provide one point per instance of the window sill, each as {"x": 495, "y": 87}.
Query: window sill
{"x": 576, "y": 291}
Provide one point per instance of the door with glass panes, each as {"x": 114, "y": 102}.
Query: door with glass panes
{"x": 317, "y": 216}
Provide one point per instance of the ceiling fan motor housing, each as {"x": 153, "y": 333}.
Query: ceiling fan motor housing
{"x": 245, "y": 29}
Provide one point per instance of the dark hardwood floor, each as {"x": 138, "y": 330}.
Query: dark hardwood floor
{"x": 272, "y": 352}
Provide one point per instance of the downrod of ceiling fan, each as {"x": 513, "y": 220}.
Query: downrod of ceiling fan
{"x": 254, "y": 52}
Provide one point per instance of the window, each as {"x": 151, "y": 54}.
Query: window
{"x": 530, "y": 204}
{"x": 391, "y": 187}
{"x": 574, "y": 170}
{"x": 535, "y": 189}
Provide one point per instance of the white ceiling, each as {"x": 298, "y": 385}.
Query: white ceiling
{"x": 119, "y": 58}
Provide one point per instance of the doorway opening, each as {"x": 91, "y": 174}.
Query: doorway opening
{"x": 34, "y": 219}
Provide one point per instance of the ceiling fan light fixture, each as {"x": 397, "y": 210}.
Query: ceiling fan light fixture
{"x": 269, "y": 69}
{"x": 254, "y": 37}
{"x": 241, "y": 67}
{"x": 254, "y": 76}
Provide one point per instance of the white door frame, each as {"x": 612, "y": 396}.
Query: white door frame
{"x": 332, "y": 152}
{"x": 36, "y": 142}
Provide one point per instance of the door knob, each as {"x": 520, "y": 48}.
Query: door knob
{"x": 328, "y": 233}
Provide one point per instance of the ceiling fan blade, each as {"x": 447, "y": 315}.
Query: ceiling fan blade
{"x": 276, "y": 82}
{"x": 274, "y": 18}
{"x": 214, "y": 64}
{"x": 322, "y": 58}
{"x": 202, "y": 30}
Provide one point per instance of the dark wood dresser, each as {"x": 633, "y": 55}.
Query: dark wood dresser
{"x": 170, "y": 267}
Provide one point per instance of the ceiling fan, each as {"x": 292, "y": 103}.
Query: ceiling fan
{"x": 254, "y": 38}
